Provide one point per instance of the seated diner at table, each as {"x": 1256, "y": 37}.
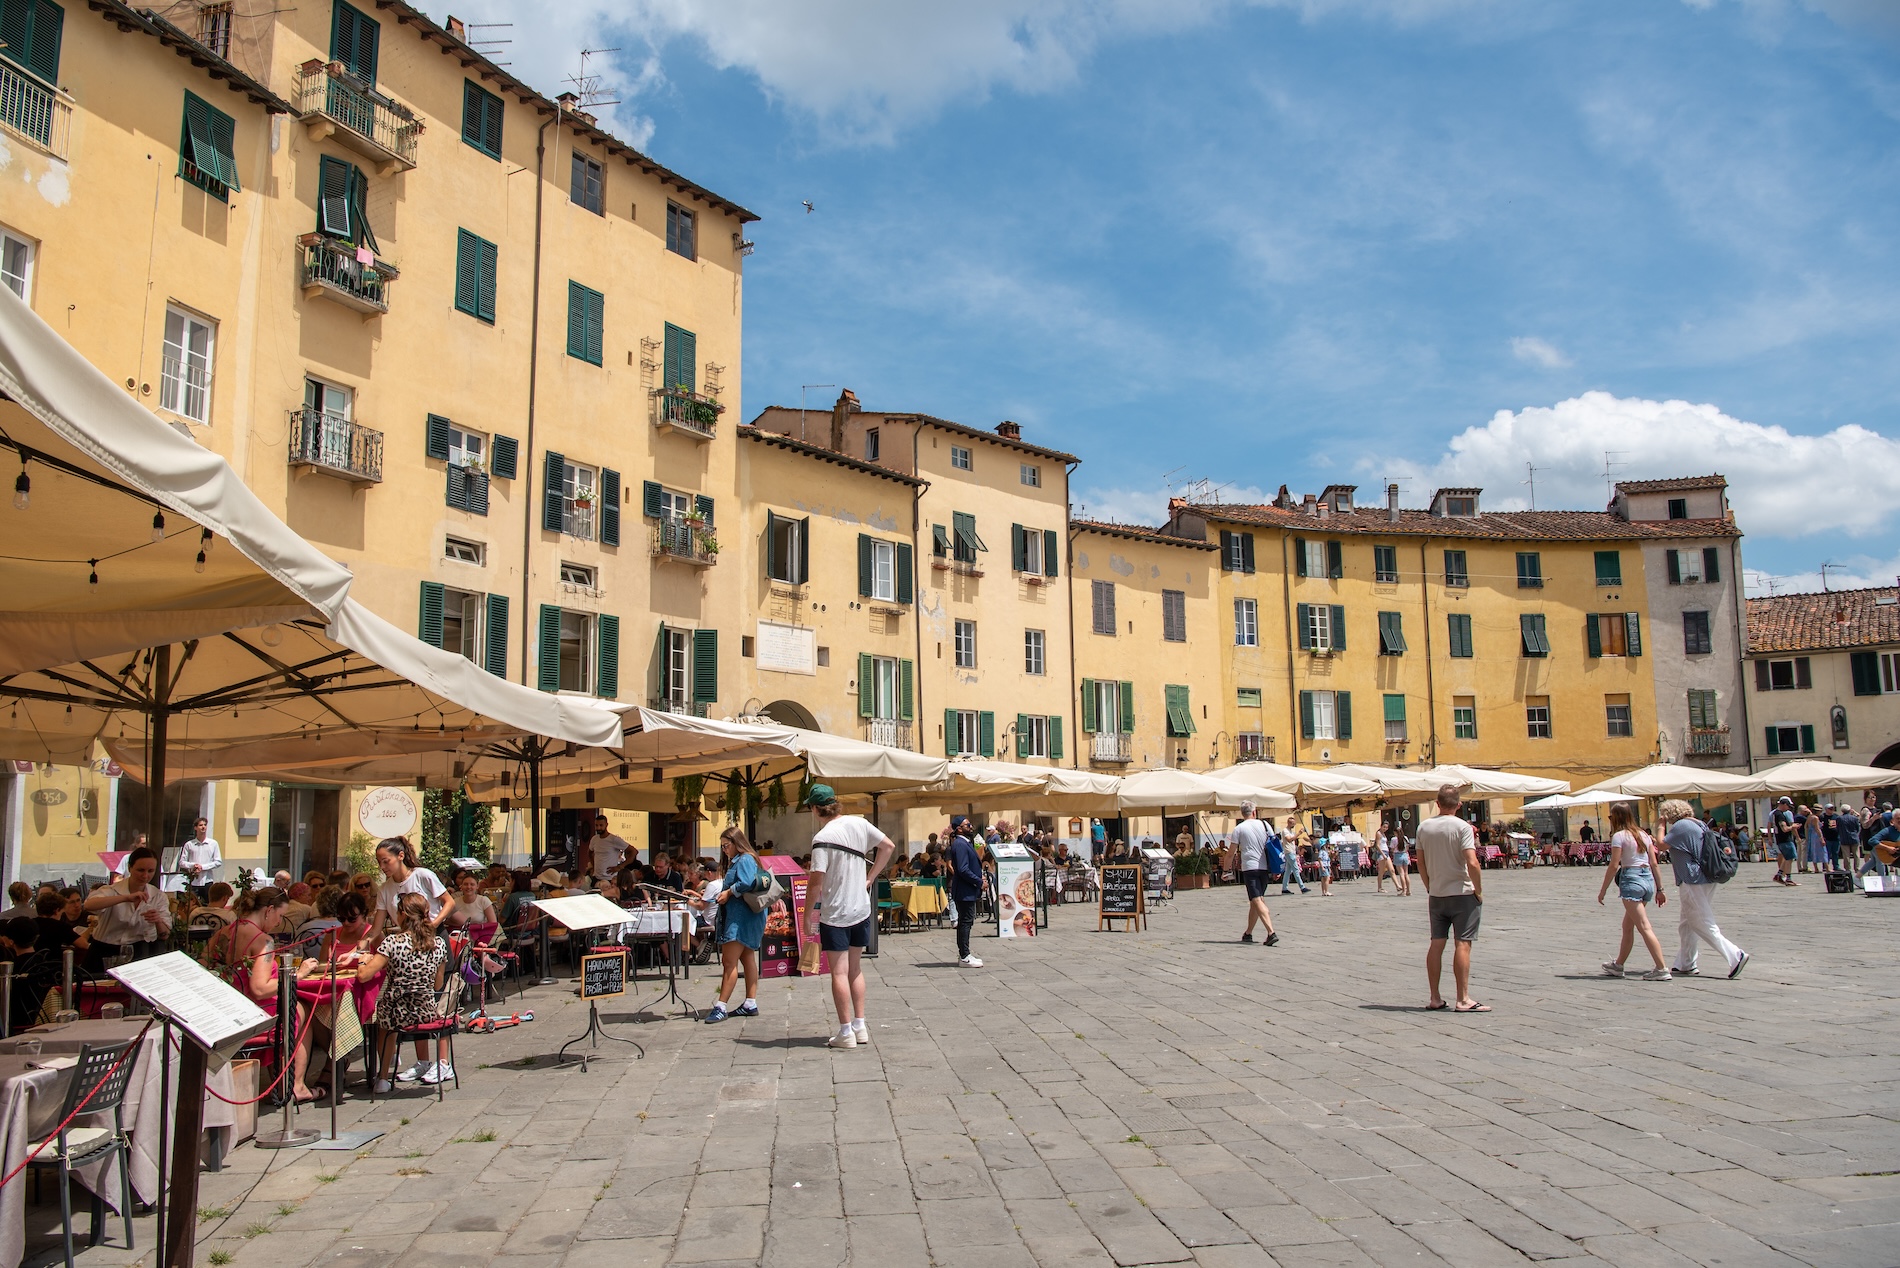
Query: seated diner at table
{"x": 247, "y": 953}
{"x": 215, "y": 912}
{"x": 134, "y": 918}
{"x": 472, "y": 907}
{"x": 413, "y": 961}
{"x": 55, "y": 933}
{"x": 37, "y": 970}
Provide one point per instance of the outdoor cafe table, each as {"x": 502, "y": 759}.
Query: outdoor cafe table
{"x": 30, "y": 1101}
{"x": 917, "y": 900}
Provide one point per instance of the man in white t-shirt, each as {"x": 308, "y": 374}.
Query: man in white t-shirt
{"x": 1448, "y": 866}
{"x": 605, "y": 851}
{"x": 847, "y": 853}
{"x": 1250, "y": 839}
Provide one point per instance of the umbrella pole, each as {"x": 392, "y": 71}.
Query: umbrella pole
{"x": 159, "y": 720}
{"x": 535, "y": 849}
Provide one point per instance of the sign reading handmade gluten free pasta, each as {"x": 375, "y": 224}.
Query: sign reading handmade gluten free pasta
{"x": 604, "y": 975}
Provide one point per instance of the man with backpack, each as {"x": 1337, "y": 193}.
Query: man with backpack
{"x": 1783, "y": 821}
{"x": 1701, "y": 861}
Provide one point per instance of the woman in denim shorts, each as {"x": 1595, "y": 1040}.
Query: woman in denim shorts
{"x": 1633, "y": 869}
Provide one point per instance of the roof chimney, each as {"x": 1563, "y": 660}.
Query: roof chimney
{"x": 1392, "y": 503}
{"x": 457, "y": 28}
{"x": 1306, "y": 505}
{"x": 847, "y": 405}
{"x": 1009, "y": 430}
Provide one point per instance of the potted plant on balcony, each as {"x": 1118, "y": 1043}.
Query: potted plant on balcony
{"x": 709, "y": 546}
{"x": 583, "y": 499}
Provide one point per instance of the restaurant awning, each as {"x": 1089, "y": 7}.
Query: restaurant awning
{"x": 1169, "y": 789}
{"x": 1812, "y": 775}
{"x": 1481, "y": 782}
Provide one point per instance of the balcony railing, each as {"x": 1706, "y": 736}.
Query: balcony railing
{"x": 578, "y": 518}
{"x": 33, "y": 112}
{"x": 1255, "y": 749}
{"x": 1709, "y": 741}
{"x": 1111, "y": 746}
{"x": 332, "y": 270}
{"x": 887, "y": 731}
{"x": 679, "y": 706}
{"x": 334, "y": 103}
{"x": 686, "y": 542}
{"x": 685, "y": 411}
{"x": 336, "y": 445}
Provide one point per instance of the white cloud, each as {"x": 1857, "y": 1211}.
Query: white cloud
{"x": 1535, "y": 351}
{"x": 1782, "y": 484}
{"x": 1150, "y": 506}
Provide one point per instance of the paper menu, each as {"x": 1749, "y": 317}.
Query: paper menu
{"x": 207, "y": 1009}
{"x": 582, "y": 911}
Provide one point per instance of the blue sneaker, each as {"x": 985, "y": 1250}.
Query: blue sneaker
{"x": 718, "y": 1013}
{"x": 746, "y": 1010}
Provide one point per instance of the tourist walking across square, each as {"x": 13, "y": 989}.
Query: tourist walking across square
{"x": 1690, "y": 847}
{"x": 1783, "y": 821}
{"x": 966, "y": 887}
{"x": 1632, "y": 869}
{"x": 1283, "y": 857}
{"x": 847, "y": 854}
{"x": 1251, "y": 841}
{"x": 1454, "y": 882}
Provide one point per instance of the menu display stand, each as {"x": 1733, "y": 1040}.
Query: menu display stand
{"x": 675, "y": 946}
{"x": 589, "y": 911}
{"x": 1121, "y": 898}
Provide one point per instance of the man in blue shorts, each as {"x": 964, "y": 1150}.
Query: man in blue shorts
{"x": 847, "y": 853}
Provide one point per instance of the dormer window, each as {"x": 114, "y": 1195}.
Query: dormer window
{"x": 1460, "y": 504}
{"x": 1455, "y": 503}
{"x": 1678, "y": 508}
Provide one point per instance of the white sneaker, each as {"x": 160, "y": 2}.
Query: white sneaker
{"x": 431, "y": 1073}
{"x": 970, "y": 962}
{"x": 383, "y": 1086}
{"x": 862, "y": 1035}
{"x": 842, "y": 1041}
{"x": 444, "y": 1072}
{"x": 410, "y": 1075}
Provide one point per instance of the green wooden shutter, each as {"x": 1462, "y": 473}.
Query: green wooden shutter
{"x": 651, "y": 505}
{"x": 1773, "y": 744}
{"x": 474, "y": 489}
{"x": 865, "y": 565}
{"x": 360, "y": 232}
{"x": 1301, "y": 619}
{"x": 1593, "y": 634}
{"x": 906, "y": 582}
{"x": 1866, "y": 671}
{"x": 1050, "y": 553}
{"x": 1634, "y": 620}
{"x": 1246, "y": 552}
{"x": 1227, "y": 560}
{"x": 705, "y": 666}
{"x": 553, "y": 500}
{"x": 33, "y": 35}
{"x": 1344, "y": 705}
{"x": 209, "y": 142}
{"x": 607, "y": 658}
{"x": 771, "y": 533}
{"x": 1022, "y": 735}
{"x": 504, "y": 456}
{"x": 1807, "y": 739}
{"x": 1088, "y": 706}
{"x": 474, "y": 276}
{"x": 1395, "y": 708}
{"x": 609, "y": 507}
{"x": 481, "y": 118}
{"x": 1339, "y": 627}
{"x": 491, "y": 124}
{"x": 596, "y": 327}
{"x": 704, "y": 505}
{"x": 804, "y": 552}
{"x": 1128, "y": 708}
{"x": 1299, "y": 556}
{"x": 577, "y": 320}
{"x": 485, "y": 280}
{"x": 1391, "y": 634}
{"x": 1459, "y": 624}
{"x": 906, "y": 688}
{"x": 354, "y": 40}
{"x": 1018, "y": 548}
{"x": 986, "y": 733}
{"x": 548, "y": 670}
{"x": 679, "y": 360}
{"x": 495, "y": 636}
{"x": 1335, "y": 560}
{"x": 1711, "y": 564}
{"x": 950, "y": 733}
{"x": 1180, "y": 711}
{"x": 429, "y": 625}
{"x": 940, "y": 541}
{"x": 867, "y": 692}
{"x": 1803, "y": 679}
{"x": 1674, "y": 561}
{"x": 1306, "y": 715}
{"x": 1055, "y": 738}
{"x": 436, "y": 438}
{"x": 333, "y": 196}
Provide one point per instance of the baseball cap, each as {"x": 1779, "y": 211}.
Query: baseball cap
{"x": 959, "y": 822}
{"x": 820, "y": 795}
{"x": 1785, "y": 801}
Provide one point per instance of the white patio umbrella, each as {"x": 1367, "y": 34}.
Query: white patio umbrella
{"x": 978, "y": 784}
{"x": 1497, "y": 783}
{"x": 1314, "y": 787}
{"x": 1812, "y": 775}
{"x": 1667, "y": 779}
{"x": 1168, "y": 789}
{"x": 1568, "y": 801}
{"x": 1390, "y": 779}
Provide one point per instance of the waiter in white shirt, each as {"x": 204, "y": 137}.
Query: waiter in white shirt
{"x": 200, "y": 859}
{"x": 605, "y": 851}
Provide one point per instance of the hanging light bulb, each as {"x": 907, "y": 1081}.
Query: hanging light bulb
{"x": 94, "y": 578}
{"x": 200, "y": 565}
{"x": 22, "y": 490}
{"x": 158, "y": 527}
{"x": 69, "y": 715}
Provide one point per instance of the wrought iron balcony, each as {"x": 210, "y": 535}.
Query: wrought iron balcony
{"x": 334, "y": 103}
{"x": 1111, "y": 746}
{"x": 686, "y": 411}
{"x": 889, "y": 732}
{"x": 1708, "y": 741}
{"x": 685, "y": 541}
{"x": 333, "y": 270}
{"x": 35, "y": 112}
{"x": 336, "y": 445}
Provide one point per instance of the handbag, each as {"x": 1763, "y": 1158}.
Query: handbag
{"x": 767, "y": 890}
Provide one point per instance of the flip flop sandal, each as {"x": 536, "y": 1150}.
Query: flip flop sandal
{"x": 1440, "y": 1006}
{"x": 1475, "y": 1008}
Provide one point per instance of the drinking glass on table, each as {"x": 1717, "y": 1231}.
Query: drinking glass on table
{"x": 65, "y": 1015}
{"x": 111, "y": 1012}
{"x": 26, "y": 1047}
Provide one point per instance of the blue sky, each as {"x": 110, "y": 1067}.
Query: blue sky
{"x": 1316, "y": 240}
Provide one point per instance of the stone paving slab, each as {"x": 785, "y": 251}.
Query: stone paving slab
{"x": 1167, "y": 1097}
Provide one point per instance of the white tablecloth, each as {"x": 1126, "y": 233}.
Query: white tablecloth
{"x": 30, "y": 1102}
{"x": 652, "y": 922}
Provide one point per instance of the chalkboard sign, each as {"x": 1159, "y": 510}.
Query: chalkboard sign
{"x": 1121, "y": 896}
{"x": 603, "y": 975}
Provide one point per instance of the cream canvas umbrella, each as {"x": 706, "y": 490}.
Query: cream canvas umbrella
{"x": 1497, "y": 783}
{"x": 1168, "y": 789}
{"x": 976, "y": 784}
{"x": 1314, "y": 787}
{"x": 1812, "y": 775}
{"x": 1667, "y": 779}
{"x": 1391, "y": 779}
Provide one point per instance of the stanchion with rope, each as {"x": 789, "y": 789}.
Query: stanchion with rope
{"x": 78, "y": 1109}
{"x": 289, "y": 1136}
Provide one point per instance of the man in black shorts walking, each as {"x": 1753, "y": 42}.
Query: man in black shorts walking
{"x": 1448, "y": 867}
{"x": 1250, "y": 839}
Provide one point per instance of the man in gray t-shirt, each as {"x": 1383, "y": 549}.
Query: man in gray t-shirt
{"x": 1448, "y": 866}
{"x": 1250, "y": 839}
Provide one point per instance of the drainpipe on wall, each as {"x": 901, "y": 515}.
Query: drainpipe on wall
{"x": 1292, "y": 694}
{"x": 1741, "y": 631}
{"x": 534, "y": 363}
{"x": 917, "y": 564}
{"x": 1431, "y": 690}
{"x": 1075, "y": 684}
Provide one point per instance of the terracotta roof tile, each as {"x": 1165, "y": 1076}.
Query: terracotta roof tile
{"x": 1495, "y": 525}
{"x": 822, "y": 454}
{"x": 1138, "y": 532}
{"x": 1680, "y": 484}
{"x": 1818, "y": 622}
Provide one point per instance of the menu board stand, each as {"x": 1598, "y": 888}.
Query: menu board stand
{"x": 1121, "y": 898}
{"x": 591, "y": 911}
{"x": 603, "y": 976}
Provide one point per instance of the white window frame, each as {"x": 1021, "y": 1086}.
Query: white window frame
{"x": 793, "y": 531}
{"x": 885, "y": 681}
{"x": 1315, "y": 557}
{"x": 1889, "y": 671}
{"x": 463, "y": 551}
{"x": 1325, "y": 715}
{"x": 1108, "y": 706}
{"x": 1783, "y": 733}
{"x": 1532, "y": 722}
{"x": 1030, "y": 474}
{"x": 970, "y": 729}
{"x": 1032, "y": 552}
{"x": 327, "y": 394}
{"x": 1466, "y": 727}
{"x": 582, "y": 626}
{"x": 1395, "y": 731}
{"x": 1038, "y": 734}
{"x": 1319, "y": 627}
{"x": 185, "y": 371}
{"x": 14, "y": 246}
{"x": 1611, "y": 721}
{"x": 964, "y": 635}
{"x": 468, "y": 622}
{"x": 871, "y": 445}
{"x": 960, "y": 458}
{"x": 467, "y": 447}
{"x": 675, "y": 505}
{"x": 576, "y": 476}
{"x": 1035, "y": 653}
{"x": 579, "y": 576}
{"x": 676, "y": 668}
{"x": 883, "y": 570}
{"x": 1247, "y": 623}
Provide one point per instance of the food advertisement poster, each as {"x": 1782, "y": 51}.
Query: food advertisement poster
{"x": 1015, "y": 892}
{"x": 778, "y": 953}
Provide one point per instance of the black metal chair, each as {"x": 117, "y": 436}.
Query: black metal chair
{"x": 80, "y": 1146}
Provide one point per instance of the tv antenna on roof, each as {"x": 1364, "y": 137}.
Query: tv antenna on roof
{"x": 1611, "y": 462}
{"x": 1531, "y": 479}
{"x": 1825, "y": 565}
{"x": 588, "y": 86}
{"x": 489, "y": 45}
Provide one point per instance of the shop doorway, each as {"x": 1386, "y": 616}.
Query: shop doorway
{"x": 304, "y": 824}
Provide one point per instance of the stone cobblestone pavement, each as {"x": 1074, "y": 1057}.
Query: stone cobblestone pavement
{"x": 1166, "y": 1097}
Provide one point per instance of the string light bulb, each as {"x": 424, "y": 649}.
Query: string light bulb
{"x": 94, "y": 578}
{"x": 158, "y": 527}
{"x": 22, "y": 490}
{"x": 204, "y": 549}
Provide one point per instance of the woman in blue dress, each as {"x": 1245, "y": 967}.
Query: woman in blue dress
{"x": 738, "y": 929}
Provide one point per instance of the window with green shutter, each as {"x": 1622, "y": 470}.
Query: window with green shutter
{"x": 495, "y": 636}
{"x": 342, "y": 191}
{"x": 553, "y": 491}
{"x": 679, "y": 359}
{"x": 867, "y": 693}
{"x": 504, "y": 456}
{"x": 1339, "y": 627}
{"x": 1702, "y": 710}
{"x": 1335, "y": 560}
{"x": 610, "y": 507}
{"x": 1609, "y": 567}
{"x": 207, "y": 154}
{"x": 481, "y": 118}
{"x": 906, "y": 690}
{"x": 1385, "y": 564}
{"x": 1055, "y": 738}
{"x": 986, "y": 733}
{"x": 586, "y": 314}
{"x": 1459, "y": 624}
{"x": 705, "y": 666}
{"x": 354, "y": 40}
{"x": 547, "y": 669}
{"x": 1530, "y": 570}
{"x": 1180, "y": 714}
{"x": 1342, "y": 702}
{"x": 1391, "y": 634}
{"x": 429, "y": 624}
{"x": 607, "y": 656}
{"x": 475, "y": 261}
{"x": 967, "y": 542}
{"x": 32, "y": 31}
{"x": 1533, "y": 637}
{"x": 1865, "y": 667}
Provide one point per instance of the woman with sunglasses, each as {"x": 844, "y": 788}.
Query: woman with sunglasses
{"x": 737, "y": 928}
{"x": 248, "y": 954}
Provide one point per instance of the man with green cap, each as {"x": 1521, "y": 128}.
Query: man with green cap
{"x": 847, "y": 854}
